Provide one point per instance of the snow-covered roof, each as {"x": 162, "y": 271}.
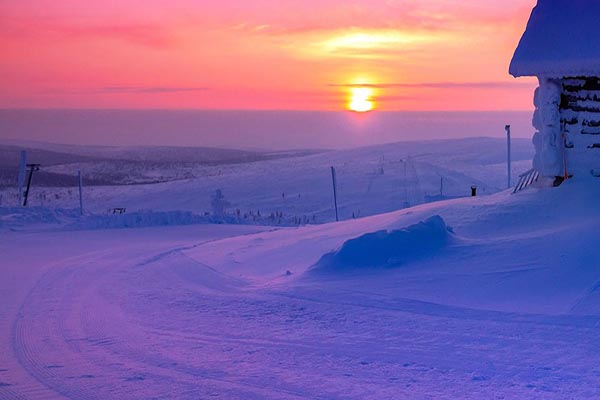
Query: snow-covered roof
{"x": 561, "y": 39}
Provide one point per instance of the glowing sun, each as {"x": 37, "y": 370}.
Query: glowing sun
{"x": 361, "y": 99}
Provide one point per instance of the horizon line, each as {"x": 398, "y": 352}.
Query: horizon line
{"x": 253, "y": 110}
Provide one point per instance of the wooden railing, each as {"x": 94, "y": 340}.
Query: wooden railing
{"x": 526, "y": 179}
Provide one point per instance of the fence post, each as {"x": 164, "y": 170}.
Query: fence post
{"x": 22, "y": 172}
{"x": 508, "y": 162}
{"x": 334, "y": 182}
{"x": 80, "y": 192}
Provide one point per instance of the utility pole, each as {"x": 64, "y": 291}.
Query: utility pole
{"x": 32, "y": 168}
{"x": 507, "y": 128}
{"x": 334, "y": 182}
{"x": 21, "y": 178}
{"x": 80, "y": 192}
{"x": 563, "y": 135}
{"x": 406, "y": 202}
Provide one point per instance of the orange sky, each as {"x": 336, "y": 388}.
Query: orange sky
{"x": 261, "y": 54}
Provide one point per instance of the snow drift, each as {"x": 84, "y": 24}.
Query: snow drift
{"x": 389, "y": 248}
{"x": 70, "y": 219}
{"x": 18, "y": 217}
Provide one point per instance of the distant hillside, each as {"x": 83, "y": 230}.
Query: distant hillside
{"x": 294, "y": 185}
{"x": 112, "y": 165}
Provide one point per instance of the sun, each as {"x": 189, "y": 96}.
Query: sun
{"x": 361, "y": 99}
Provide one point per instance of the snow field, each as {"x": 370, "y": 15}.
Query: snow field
{"x": 371, "y": 180}
{"x": 505, "y": 308}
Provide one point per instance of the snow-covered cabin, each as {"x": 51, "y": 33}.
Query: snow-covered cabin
{"x": 561, "y": 47}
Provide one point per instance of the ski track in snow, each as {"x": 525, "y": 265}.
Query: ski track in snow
{"x": 209, "y": 311}
{"x": 109, "y": 325}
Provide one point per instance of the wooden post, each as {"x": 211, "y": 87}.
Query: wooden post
{"x": 334, "y": 182}
{"x": 22, "y": 173}
{"x": 80, "y": 192}
{"x": 507, "y": 128}
{"x": 564, "y": 148}
{"x": 32, "y": 168}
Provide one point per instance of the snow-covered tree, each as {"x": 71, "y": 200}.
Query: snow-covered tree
{"x": 218, "y": 202}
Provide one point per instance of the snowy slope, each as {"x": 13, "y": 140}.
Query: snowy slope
{"x": 118, "y": 165}
{"x": 525, "y": 252}
{"x": 502, "y": 302}
{"x": 371, "y": 180}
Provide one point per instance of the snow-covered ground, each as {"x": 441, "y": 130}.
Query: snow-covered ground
{"x": 475, "y": 298}
{"x": 371, "y": 180}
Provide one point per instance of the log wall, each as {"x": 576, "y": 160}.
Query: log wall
{"x": 580, "y": 120}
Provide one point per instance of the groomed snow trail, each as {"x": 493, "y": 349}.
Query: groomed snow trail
{"x": 109, "y": 328}
{"x": 114, "y": 326}
{"x": 205, "y": 312}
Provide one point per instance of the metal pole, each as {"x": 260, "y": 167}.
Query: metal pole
{"x": 406, "y": 203}
{"x": 32, "y": 167}
{"x": 334, "y": 182}
{"x": 563, "y": 128}
{"x": 507, "y": 128}
{"x": 80, "y": 192}
{"x": 21, "y": 178}
{"x": 28, "y": 187}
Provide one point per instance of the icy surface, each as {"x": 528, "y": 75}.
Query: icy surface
{"x": 508, "y": 308}
{"x": 561, "y": 40}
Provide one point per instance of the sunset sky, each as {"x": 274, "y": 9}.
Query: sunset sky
{"x": 262, "y": 54}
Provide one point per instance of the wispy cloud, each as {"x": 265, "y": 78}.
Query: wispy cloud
{"x": 245, "y": 27}
{"x": 143, "y": 34}
{"x": 129, "y": 90}
{"x": 151, "y": 89}
{"x": 402, "y": 15}
{"x": 49, "y": 30}
{"x": 440, "y": 85}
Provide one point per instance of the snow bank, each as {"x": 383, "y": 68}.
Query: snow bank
{"x": 14, "y": 217}
{"x": 141, "y": 219}
{"x": 69, "y": 219}
{"x": 389, "y": 248}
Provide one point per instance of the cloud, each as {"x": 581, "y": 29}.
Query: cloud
{"x": 441, "y": 85}
{"x": 56, "y": 30}
{"x": 150, "y": 89}
{"x": 142, "y": 34}
{"x": 299, "y": 18}
{"x": 129, "y": 89}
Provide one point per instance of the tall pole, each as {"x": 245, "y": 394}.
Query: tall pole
{"x": 507, "y": 128}
{"x": 21, "y": 178}
{"x": 334, "y": 182}
{"x": 80, "y": 192}
{"x": 406, "y": 203}
{"x": 32, "y": 168}
{"x": 563, "y": 129}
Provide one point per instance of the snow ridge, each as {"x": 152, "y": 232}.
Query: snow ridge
{"x": 389, "y": 248}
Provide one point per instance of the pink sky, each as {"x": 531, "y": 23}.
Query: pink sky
{"x": 261, "y": 54}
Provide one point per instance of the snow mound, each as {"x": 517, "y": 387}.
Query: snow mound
{"x": 17, "y": 217}
{"x": 140, "y": 219}
{"x": 389, "y": 248}
{"x": 70, "y": 219}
